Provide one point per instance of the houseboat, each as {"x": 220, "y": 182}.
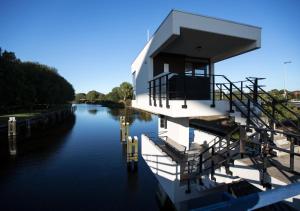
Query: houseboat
{"x": 216, "y": 146}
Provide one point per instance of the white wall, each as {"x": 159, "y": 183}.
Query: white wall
{"x": 178, "y": 130}
{"x": 195, "y": 108}
{"x": 201, "y": 137}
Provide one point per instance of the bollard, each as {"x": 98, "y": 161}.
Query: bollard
{"x": 12, "y": 126}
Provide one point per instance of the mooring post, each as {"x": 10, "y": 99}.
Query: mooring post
{"x": 12, "y": 126}
{"x": 12, "y": 135}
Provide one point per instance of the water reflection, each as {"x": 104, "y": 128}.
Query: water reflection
{"x": 12, "y": 145}
{"x": 82, "y": 166}
{"x": 93, "y": 111}
{"x": 130, "y": 114}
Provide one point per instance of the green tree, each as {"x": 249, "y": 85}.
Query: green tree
{"x": 113, "y": 95}
{"x": 125, "y": 91}
{"x": 80, "y": 97}
{"x": 25, "y": 84}
{"x": 92, "y": 96}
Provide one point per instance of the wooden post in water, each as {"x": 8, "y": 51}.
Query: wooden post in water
{"x": 12, "y": 135}
{"x": 132, "y": 153}
{"x": 12, "y": 126}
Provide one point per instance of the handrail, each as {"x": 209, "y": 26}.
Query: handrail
{"x": 221, "y": 138}
{"x": 275, "y": 100}
{"x": 279, "y": 112}
{"x": 251, "y": 111}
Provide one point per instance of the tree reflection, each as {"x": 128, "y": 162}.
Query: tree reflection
{"x": 93, "y": 111}
{"x": 130, "y": 114}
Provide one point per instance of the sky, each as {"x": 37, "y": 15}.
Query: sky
{"x": 93, "y": 43}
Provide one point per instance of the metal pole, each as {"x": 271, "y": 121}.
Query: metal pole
{"x": 230, "y": 98}
{"x": 154, "y": 92}
{"x": 241, "y": 90}
{"x": 184, "y": 91}
{"x": 160, "y": 102}
{"x": 200, "y": 169}
{"x": 292, "y": 151}
{"x": 212, "y": 172}
{"x": 188, "y": 190}
{"x": 221, "y": 92}
{"x": 167, "y": 92}
{"x": 213, "y": 91}
{"x": 150, "y": 101}
{"x": 255, "y": 90}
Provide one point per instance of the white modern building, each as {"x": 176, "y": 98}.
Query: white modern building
{"x": 174, "y": 77}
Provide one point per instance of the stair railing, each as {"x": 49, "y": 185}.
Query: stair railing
{"x": 275, "y": 102}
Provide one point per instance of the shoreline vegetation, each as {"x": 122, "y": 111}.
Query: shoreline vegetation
{"x": 30, "y": 89}
{"x": 118, "y": 97}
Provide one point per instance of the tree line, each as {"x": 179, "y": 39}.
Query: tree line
{"x": 27, "y": 84}
{"x": 121, "y": 94}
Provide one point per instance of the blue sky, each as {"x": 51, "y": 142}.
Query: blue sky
{"x": 92, "y": 43}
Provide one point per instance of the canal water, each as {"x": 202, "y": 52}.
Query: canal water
{"x": 80, "y": 165}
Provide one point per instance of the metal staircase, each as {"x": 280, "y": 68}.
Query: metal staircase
{"x": 253, "y": 136}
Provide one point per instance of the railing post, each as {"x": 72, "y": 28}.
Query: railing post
{"x": 188, "y": 190}
{"x": 248, "y": 111}
{"x": 167, "y": 92}
{"x": 154, "y": 91}
{"x": 230, "y": 98}
{"x": 213, "y": 91}
{"x": 272, "y": 120}
{"x": 200, "y": 168}
{"x": 221, "y": 92}
{"x": 184, "y": 91}
{"x": 150, "y": 101}
{"x": 292, "y": 151}
{"x": 160, "y": 102}
{"x": 212, "y": 170}
{"x": 228, "y": 172}
{"x": 242, "y": 90}
{"x": 243, "y": 138}
{"x": 255, "y": 90}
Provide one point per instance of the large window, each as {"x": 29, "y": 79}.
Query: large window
{"x": 200, "y": 69}
{"x": 196, "y": 69}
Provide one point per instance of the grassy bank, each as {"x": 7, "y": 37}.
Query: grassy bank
{"x": 23, "y": 114}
